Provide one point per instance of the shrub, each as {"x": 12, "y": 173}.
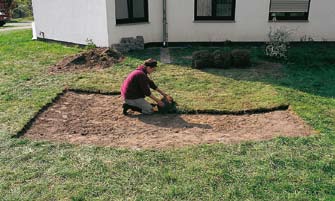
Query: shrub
{"x": 20, "y": 9}
{"x": 90, "y": 44}
{"x": 202, "y": 59}
{"x": 278, "y": 44}
{"x": 306, "y": 38}
{"x": 241, "y": 58}
{"x": 221, "y": 59}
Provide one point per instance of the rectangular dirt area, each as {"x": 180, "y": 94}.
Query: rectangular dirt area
{"x": 98, "y": 120}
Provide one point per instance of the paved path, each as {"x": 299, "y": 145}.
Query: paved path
{"x": 16, "y": 26}
{"x": 165, "y": 56}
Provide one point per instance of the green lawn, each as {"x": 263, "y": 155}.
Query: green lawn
{"x": 25, "y": 19}
{"x": 280, "y": 169}
{"x": 6, "y": 26}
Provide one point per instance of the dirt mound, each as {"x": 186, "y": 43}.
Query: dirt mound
{"x": 96, "y": 58}
{"x": 98, "y": 119}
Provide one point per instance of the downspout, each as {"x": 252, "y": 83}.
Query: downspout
{"x": 165, "y": 31}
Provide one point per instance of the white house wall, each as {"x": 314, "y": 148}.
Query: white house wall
{"x": 78, "y": 20}
{"x": 72, "y": 21}
{"x": 251, "y": 22}
{"x": 152, "y": 31}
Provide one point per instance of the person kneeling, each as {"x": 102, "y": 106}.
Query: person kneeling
{"x": 137, "y": 86}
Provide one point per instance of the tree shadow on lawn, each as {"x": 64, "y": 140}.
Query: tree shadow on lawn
{"x": 310, "y": 69}
{"x": 145, "y": 54}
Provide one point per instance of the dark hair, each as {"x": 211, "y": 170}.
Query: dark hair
{"x": 150, "y": 62}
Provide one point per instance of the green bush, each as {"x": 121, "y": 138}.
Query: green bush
{"x": 202, "y": 59}
{"x": 21, "y": 11}
{"x": 221, "y": 59}
{"x": 241, "y": 58}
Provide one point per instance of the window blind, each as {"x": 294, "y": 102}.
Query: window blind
{"x": 289, "y": 5}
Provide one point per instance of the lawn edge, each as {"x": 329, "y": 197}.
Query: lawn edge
{"x": 29, "y": 124}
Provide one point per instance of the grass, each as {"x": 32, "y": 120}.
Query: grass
{"x": 6, "y": 26}
{"x": 24, "y": 19}
{"x": 16, "y": 20}
{"x": 280, "y": 169}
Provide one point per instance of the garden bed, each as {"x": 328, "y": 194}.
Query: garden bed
{"x": 98, "y": 120}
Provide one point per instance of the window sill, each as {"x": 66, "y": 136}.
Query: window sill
{"x": 132, "y": 23}
{"x": 214, "y": 21}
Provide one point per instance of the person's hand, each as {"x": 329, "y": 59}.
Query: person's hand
{"x": 169, "y": 98}
{"x": 160, "y": 103}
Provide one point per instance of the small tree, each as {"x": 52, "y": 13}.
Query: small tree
{"x": 278, "y": 44}
{"x": 9, "y": 2}
{"x": 21, "y": 8}
{"x": 10, "y": 5}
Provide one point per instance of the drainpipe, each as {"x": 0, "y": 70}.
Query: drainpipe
{"x": 165, "y": 33}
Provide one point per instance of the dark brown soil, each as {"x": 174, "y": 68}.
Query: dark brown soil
{"x": 98, "y": 119}
{"x": 97, "y": 58}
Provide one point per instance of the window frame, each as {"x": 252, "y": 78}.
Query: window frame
{"x": 287, "y": 16}
{"x": 213, "y": 17}
{"x": 131, "y": 18}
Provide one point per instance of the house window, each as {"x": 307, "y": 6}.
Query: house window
{"x": 214, "y": 9}
{"x": 289, "y": 10}
{"x": 131, "y": 11}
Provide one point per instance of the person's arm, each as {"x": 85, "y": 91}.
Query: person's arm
{"x": 154, "y": 86}
{"x": 168, "y": 97}
{"x": 161, "y": 92}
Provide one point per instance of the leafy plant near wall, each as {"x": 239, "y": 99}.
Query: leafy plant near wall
{"x": 278, "y": 44}
{"x": 306, "y": 38}
{"x": 21, "y": 8}
{"x": 90, "y": 44}
{"x": 10, "y": 4}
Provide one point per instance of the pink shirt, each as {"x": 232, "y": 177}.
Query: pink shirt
{"x": 137, "y": 84}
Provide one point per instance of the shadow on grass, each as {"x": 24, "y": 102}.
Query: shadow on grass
{"x": 170, "y": 121}
{"x": 145, "y": 54}
{"x": 310, "y": 67}
{"x": 21, "y": 20}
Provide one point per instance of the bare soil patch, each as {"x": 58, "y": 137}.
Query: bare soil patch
{"x": 97, "y": 58}
{"x": 97, "y": 119}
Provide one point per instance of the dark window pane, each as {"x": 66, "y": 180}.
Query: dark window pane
{"x": 288, "y": 16}
{"x": 297, "y": 14}
{"x": 131, "y": 11}
{"x": 138, "y": 8}
{"x": 121, "y": 9}
{"x": 224, "y": 7}
{"x": 278, "y": 14}
{"x": 214, "y": 10}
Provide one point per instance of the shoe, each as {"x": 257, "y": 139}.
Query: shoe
{"x": 134, "y": 108}
{"x": 125, "y": 107}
